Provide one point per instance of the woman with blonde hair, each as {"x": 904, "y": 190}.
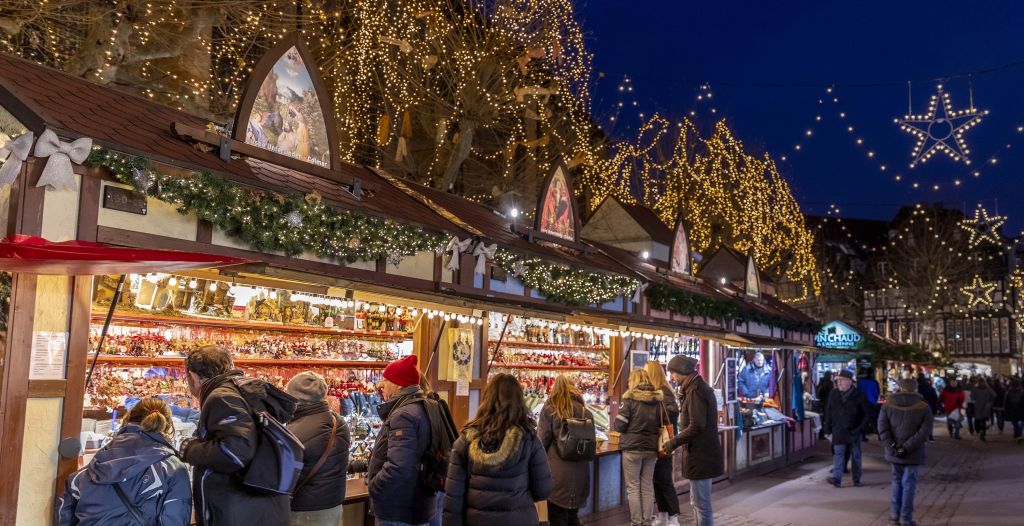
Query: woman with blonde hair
{"x": 665, "y": 497}
{"x": 135, "y": 479}
{"x": 570, "y": 478}
{"x": 639, "y": 421}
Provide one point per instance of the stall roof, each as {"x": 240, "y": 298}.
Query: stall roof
{"x": 648, "y": 220}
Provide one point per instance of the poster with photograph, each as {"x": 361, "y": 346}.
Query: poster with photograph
{"x": 461, "y": 359}
{"x": 556, "y": 211}
{"x": 286, "y": 116}
{"x": 753, "y": 281}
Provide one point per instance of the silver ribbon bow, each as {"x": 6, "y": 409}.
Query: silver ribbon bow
{"x": 482, "y": 252}
{"x": 58, "y": 173}
{"x": 638, "y": 293}
{"x": 456, "y": 247}
{"x": 15, "y": 151}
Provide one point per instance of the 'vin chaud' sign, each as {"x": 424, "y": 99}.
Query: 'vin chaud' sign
{"x": 838, "y": 335}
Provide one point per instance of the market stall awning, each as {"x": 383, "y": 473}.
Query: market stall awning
{"x": 35, "y": 255}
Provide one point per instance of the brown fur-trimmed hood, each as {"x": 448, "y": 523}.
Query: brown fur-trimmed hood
{"x": 644, "y": 393}
{"x": 507, "y": 452}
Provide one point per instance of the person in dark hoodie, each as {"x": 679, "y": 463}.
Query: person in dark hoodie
{"x": 498, "y": 469}
{"x": 570, "y": 478}
{"x": 317, "y": 498}
{"x": 227, "y": 441}
{"x": 398, "y": 495}
{"x": 846, "y": 421}
{"x": 1015, "y": 409}
{"x": 904, "y": 425}
{"x": 640, "y": 418}
{"x": 139, "y": 462}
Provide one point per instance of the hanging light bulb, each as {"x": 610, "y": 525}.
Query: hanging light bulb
{"x": 430, "y": 315}
{"x": 382, "y": 308}
{"x": 152, "y": 278}
{"x": 213, "y": 286}
{"x": 193, "y": 283}
{"x": 173, "y": 282}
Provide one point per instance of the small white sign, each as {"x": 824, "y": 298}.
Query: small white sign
{"x": 462, "y": 387}
{"x": 48, "y": 353}
{"x": 720, "y": 399}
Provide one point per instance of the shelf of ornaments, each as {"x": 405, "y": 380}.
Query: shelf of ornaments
{"x": 544, "y": 367}
{"x": 113, "y": 359}
{"x": 542, "y": 346}
{"x": 221, "y": 323}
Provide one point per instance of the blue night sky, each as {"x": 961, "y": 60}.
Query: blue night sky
{"x": 768, "y": 63}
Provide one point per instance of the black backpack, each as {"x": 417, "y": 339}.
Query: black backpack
{"x": 577, "y": 438}
{"x": 433, "y": 466}
{"x": 277, "y": 462}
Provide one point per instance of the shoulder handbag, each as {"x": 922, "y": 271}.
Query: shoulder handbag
{"x": 131, "y": 507}
{"x": 666, "y": 433}
{"x": 323, "y": 456}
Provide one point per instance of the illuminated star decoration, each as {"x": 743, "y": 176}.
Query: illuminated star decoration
{"x": 979, "y": 292}
{"x": 982, "y": 228}
{"x": 941, "y": 129}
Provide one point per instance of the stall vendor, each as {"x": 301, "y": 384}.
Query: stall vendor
{"x": 755, "y": 379}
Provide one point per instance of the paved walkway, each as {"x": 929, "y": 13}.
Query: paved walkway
{"x": 964, "y": 483}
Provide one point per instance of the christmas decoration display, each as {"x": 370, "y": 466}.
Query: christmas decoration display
{"x": 979, "y": 292}
{"x": 982, "y": 227}
{"x": 678, "y": 301}
{"x": 941, "y": 129}
{"x": 14, "y": 153}
{"x": 569, "y": 285}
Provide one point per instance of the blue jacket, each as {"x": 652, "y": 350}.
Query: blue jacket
{"x": 149, "y": 474}
{"x": 393, "y": 475}
{"x": 754, "y": 381}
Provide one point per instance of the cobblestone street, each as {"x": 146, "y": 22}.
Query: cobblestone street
{"x": 964, "y": 483}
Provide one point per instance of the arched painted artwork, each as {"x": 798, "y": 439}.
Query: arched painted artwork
{"x": 556, "y": 214}
{"x": 283, "y": 108}
{"x": 753, "y": 279}
{"x": 680, "y": 250}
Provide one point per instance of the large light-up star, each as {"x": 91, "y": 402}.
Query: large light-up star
{"x": 982, "y": 228}
{"x": 941, "y": 129}
{"x": 979, "y": 292}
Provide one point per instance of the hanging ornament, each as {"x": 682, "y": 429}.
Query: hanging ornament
{"x": 517, "y": 269}
{"x": 979, "y": 292}
{"x": 395, "y": 256}
{"x": 982, "y": 227}
{"x": 941, "y": 129}
{"x": 142, "y": 179}
{"x": 354, "y": 242}
{"x": 294, "y": 219}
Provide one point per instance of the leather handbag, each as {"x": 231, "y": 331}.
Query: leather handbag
{"x": 666, "y": 432}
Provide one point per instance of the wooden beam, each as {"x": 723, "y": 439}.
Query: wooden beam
{"x": 77, "y": 363}
{"x": 14, "y": 392}
{"x": 47, "y": 388}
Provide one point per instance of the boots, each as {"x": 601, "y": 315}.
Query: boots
{"x": 661, "y": 519}
{"x": 673, "y": 521}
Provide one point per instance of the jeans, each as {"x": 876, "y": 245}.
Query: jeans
{"x": 665, "y": 496}
{"x": 954, "y": 427}
{"x": 904, "y": 484}
{"x": 559, "y": 516}
{"x": 981, "y": 426}
{"x": 839, "y": 458}
{"x": 638, "y": 470}
{"x": 1018, "y": 428}
{"x": 700, "y": 499}
{"x": 328, "y": 517}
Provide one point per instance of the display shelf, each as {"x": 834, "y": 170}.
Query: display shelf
{"x": 542, "y": 367}
{"x": 539, "y": 346}
{"x": 156, "y": 319}
{"x": 243, "y": 362}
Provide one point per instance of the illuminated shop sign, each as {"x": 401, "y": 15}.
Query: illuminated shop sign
{"x": 838, "y": 335}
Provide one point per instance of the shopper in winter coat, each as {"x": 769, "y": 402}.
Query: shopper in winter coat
{"x": 845, "y": 423}
{"x": 925, "y": 389}
{"x": 570, "y": 478}
{"x": 822, "y": 390}
{"x": 999, "y": 404}
{"x": 698, "y": 431}
{"x": 984, "y": 398}
{"x": 904, "y": 425}
{"x": 639, "y": 420}
{"x": 141, "y": 463}
{"x": 969, "y": 404}
{"x": 755, "y": 379}
{"x": 498, "y": 466}
{"x": 1015, "y": 409}
{"x": 952, "y": 401}
{"x": 398, "y": 496}
{"x": 226, "y": 442}
{"x": 665, "y": 497}
{"x": 317, "y": 499}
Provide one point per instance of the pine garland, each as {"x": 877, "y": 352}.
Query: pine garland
{"x": 685, "y": 303}
{"x": 561, "y": 284}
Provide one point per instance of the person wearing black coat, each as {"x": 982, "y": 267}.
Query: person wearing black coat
{"x": 984, "y": 399}
{"x": 570, "y": 478}
{"x": 498, "y": 468}
{"x": 904, "y": 425}
{"x": 824, "y": 388}
{"x": 320, "y": 492}
{"x": 1015, "y": 409}
{"x": 846, "y": 421}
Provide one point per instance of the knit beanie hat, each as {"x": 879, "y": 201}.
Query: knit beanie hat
{"x": 307, "y": 386}
{"x": 403, "y": 372}
{"x": 683, "y": 365}
{"x": 908, "y": 385}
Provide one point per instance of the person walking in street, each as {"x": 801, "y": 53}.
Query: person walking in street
{"x": 984, "y": 399}
{"x": 868, "y": 385}
{"x": 952, "y": 401}
{"x": 904, "y": 425}
{"x": 135, "y": 477}
{"x": 665, "y": 497}
{"x": 969, "y": 387}
{"x": 639, "y": 420}
{"x": 320, "y": 492}
{"x": 927, "y": 392}
{"x": 999, "y": 405}
{"x": 698, "y": 431}
{"x": 824, "y": 387}
{"x": 845, "y": 423}
{"x": 570, "y": 478}
{"x": 1015, "y": 409}
{"x": 498, "y": 466}
{"x": 227, "y": 439}
{"x": 398, "y": 496}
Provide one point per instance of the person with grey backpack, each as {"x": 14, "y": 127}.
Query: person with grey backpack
{"x": 566, "y": 430}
